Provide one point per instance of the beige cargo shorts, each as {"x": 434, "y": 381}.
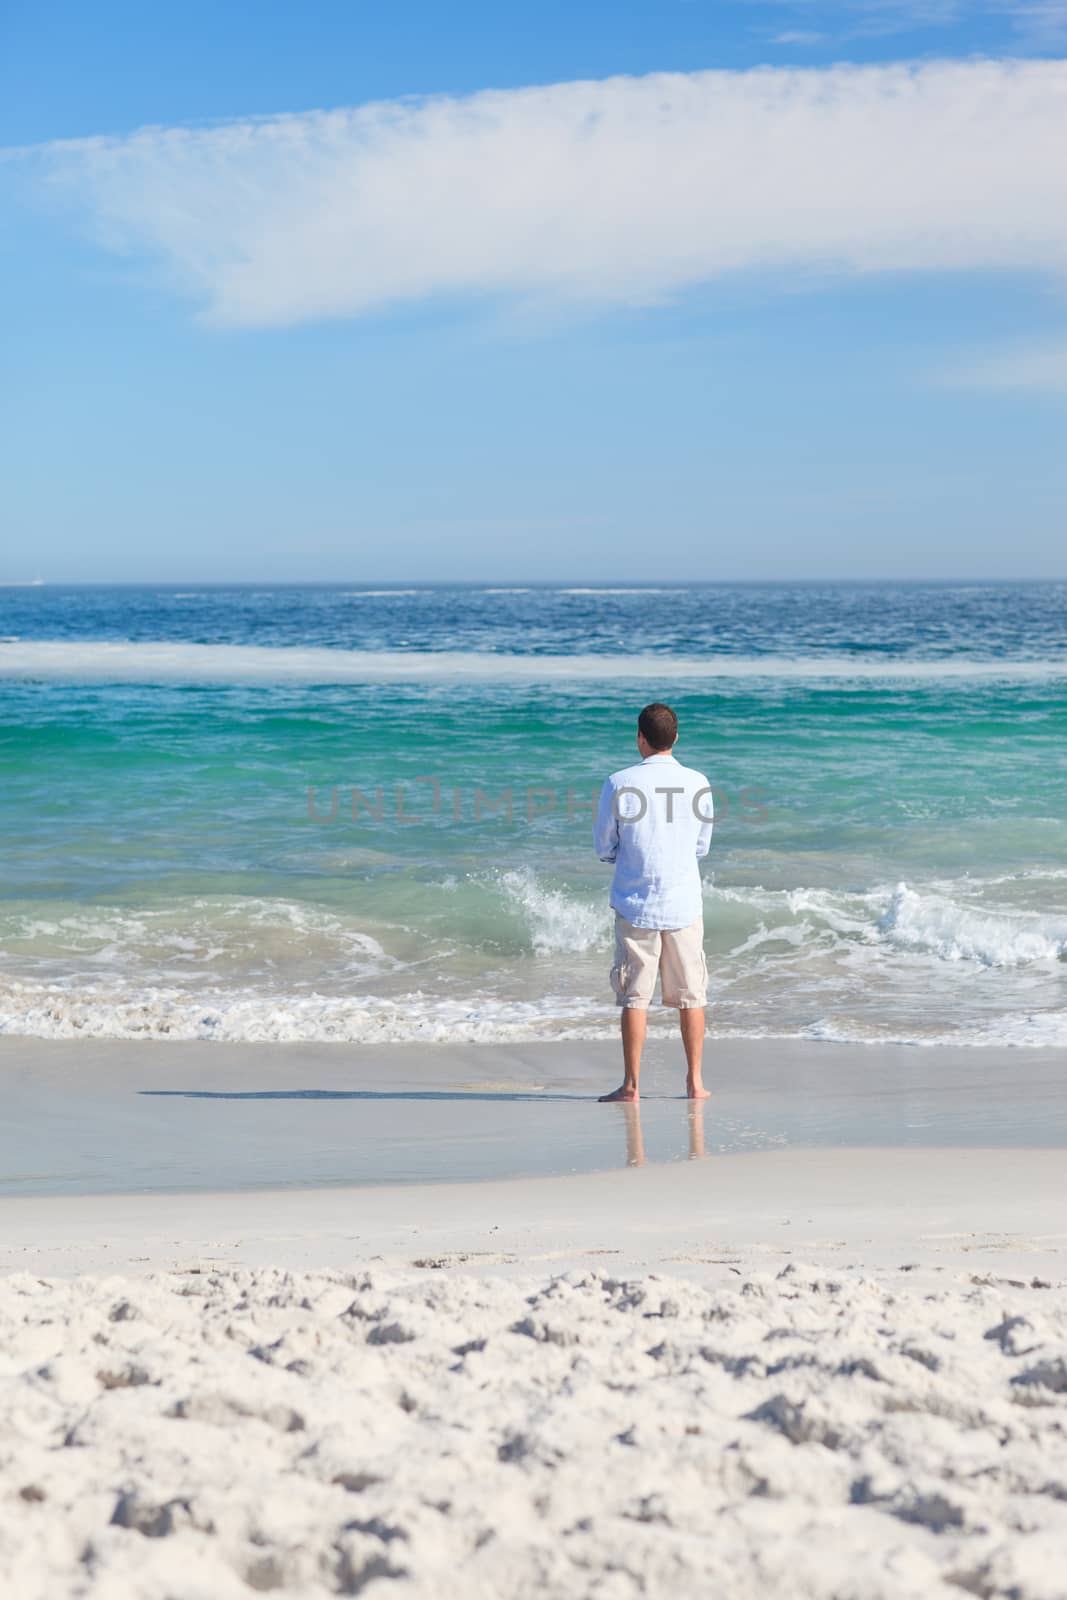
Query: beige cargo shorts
{"x": 676, "y": 954}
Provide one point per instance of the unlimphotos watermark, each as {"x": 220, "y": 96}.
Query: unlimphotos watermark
{"x": 407, "y": 805}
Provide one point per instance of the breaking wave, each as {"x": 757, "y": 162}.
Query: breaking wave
{"x": 555, "y": 921}
{"x": 954, "y": 932}
{"x": 899, "y": 918}
{"x": 515, "y": 956}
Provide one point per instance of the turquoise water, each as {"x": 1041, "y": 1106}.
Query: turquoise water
{"x": 890, "y": 860}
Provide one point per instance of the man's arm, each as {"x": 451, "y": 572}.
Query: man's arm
{"x": 606, "y": 827}
{"x": 705, "y": 806}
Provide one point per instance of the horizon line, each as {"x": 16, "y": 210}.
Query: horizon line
{"x": 528, "y": 585}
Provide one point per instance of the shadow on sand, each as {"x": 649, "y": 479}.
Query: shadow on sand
{"x": 355, "y": 1094}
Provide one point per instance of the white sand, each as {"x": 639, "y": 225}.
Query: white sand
{"x": 806, "y": 1373}
{"x": 325, "y": 1433}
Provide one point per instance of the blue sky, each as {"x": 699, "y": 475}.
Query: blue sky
{"x": 737, "y": 326}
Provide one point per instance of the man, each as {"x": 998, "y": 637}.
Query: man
{"x": 654, "y": 822}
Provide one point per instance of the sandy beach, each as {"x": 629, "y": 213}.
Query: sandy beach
{"x": 823, "y": 1371}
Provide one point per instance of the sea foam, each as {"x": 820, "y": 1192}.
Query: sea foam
{"x": 124, "y": 661}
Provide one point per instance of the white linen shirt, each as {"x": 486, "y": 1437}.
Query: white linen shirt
{"x": 654, "y": 822}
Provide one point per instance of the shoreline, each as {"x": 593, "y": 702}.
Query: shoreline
{"x": 89, "y": 1117}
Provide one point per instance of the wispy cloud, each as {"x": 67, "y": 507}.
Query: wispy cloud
{"x": 1034, "y": 23}
{"x": 855, "y": 19}
{"x": 608, "y": 193}
{"x": 1042, "y": 367}
{"x": 1040, "y": 22}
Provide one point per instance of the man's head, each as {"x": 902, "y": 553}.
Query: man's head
{"x": 657, "y": 729}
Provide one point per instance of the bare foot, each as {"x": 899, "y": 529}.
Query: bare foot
{"x": 619, "y": 1094}
{"x": 697, "y": 1091}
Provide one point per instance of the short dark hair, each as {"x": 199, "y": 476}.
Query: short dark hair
{"x": 659, "y": 725}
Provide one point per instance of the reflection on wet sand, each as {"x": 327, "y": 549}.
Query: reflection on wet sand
{"x": 635, "y": 1144}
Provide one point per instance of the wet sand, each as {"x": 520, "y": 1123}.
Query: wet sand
{"x": 88, "y": 1116}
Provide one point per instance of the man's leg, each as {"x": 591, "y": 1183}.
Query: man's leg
{"x": 685, "y": 985}
{"x": 691, "y": 1019}
{"x": 634, "y": 1027}
{"x": 633, "y": 977}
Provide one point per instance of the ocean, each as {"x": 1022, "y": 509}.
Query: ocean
{"x": 363, "y": 812}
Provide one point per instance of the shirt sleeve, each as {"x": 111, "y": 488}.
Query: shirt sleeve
{"x": 606, "y": 827}
{"x": 705, "y": 805}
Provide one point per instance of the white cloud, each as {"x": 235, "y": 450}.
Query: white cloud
{"x": 616, "y": 192}
{"x": 1042, "y": 367}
